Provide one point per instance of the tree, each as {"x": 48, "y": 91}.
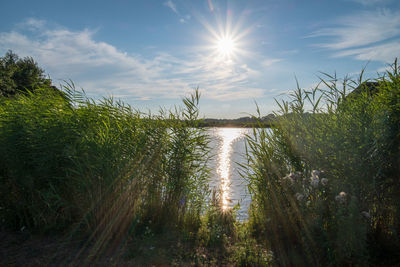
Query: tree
{"x": 21, "y": 75}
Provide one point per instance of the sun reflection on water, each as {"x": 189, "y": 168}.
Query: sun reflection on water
{"x": 227, "y": 136}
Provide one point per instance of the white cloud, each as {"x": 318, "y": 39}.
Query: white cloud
{"x": 385, "y": 52}
{"x": 102, "y": 69}
{"x": 66, "y": 52}
{"x": 33, "y": 24}
{"x": 171, "y": 5}
{"x": 358, "y": 35}
{"x": 362, "y": 29}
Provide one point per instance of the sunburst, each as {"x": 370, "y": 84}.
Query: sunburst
{"x": 226, "y": 40}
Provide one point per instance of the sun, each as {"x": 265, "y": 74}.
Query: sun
{"x": 226, "y": 41}
{"x": 226, "y": 46}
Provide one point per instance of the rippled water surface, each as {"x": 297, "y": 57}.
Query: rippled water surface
{"x": 228, "y": 148}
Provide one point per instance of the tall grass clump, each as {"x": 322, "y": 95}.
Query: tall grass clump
{"x": 325, "y": 179}
{"x": 69, "y": 163}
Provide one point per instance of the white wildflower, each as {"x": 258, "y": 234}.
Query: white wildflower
{"x": 315, "y": 174}
{"x": 341, "y": 197}
{"x": 324, "y": 181}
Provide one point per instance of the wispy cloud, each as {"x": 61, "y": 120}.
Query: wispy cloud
{"x": 289, "y": 52}
{"x": 370, "y": 2}
{"x": 363, "y": 32}
{"x": 384, "y": 52}
{"x": 270, "y": 61}
{"x": 102, "y": 69}
{"x": 171, "y": 5}
{"x": 362, "y": 29}
{"x": 182, "y": 18}
{"x": 33, "y": 24}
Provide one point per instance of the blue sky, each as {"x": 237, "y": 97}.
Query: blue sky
{"x": 152, "y": 53}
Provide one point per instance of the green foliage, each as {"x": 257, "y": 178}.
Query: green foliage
{"x": 20, "y": 75}
{"x": 70, "y": 163}
{"x": 218, "y": 227}
{"x": 349, "y": 210}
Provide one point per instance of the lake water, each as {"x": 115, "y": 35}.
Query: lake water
{"x": 228, "y": 148}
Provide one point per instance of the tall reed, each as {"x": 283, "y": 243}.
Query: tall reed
{"x": 68, "y": 162}
{"x": 325, "y": 180}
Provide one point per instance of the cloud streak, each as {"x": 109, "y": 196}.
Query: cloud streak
{"x": 384, "y": 52}
{"x": 362, "y": 29}
{"x": 171, "y": 5}
{"x": 370, "y": 2}
{"x": 269, "y": 62}
{"x": 358, "y": 35}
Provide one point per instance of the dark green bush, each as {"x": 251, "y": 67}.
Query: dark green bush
{"x": 21, "y": 76}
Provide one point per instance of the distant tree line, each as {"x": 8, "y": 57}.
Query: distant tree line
{"x": 246, "y": 122}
